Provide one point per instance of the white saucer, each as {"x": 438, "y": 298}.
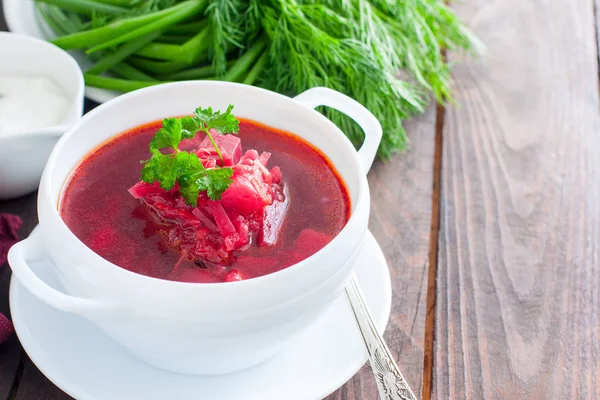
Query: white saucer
{"x": 21, "y": 17}
{"x": 78, "y": 358}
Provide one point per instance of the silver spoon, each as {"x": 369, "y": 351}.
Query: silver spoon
{"x": 390, "y": 382}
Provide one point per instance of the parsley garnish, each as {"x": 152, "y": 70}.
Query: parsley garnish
{"x": 185, "y": 168}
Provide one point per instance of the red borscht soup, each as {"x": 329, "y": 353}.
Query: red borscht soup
{"x": 284, "y": 203}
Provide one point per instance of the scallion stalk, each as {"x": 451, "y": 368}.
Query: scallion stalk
{"x": 121, "y": 85}
{"x": 167, "y": 67}
{"x": 52, "y": 19}
{"x": 128, "y": 72}
{"x": 121, "y": 3}
{"x": 87, "y": 7}
{"x": 256, "y": 69}
{"x": 191, "y": 27}
{"x": 243, "y": 63}
{"x": 192, "y": 74}
{"x": 173, "y": 39}
{"x": 193, "y": 7}
{"x": 96, "y": 36}
{"x": 186, "y": 52}
{"x": 122, "y": 53}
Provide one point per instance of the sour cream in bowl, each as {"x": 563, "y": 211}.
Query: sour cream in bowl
{"x": 41, "y": 96}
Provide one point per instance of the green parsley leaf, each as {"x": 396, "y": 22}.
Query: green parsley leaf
{"x": 223, "y": 123}
{"x": 162, "y": 168}
{"x": 185, "y": 168}
{"x": 215, "y": 182}
{"x": 189, "y": 127}
{"x": 169, "y": 135}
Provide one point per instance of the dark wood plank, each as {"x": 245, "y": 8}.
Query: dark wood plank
{"x": 401, "y": 193}
{"x": 428, "y": 355}
{"x": 519, "y": 267}
{"x": 10, "y": 352}
{"x": 34, "y": 385}
{"x": 3, "y": 26}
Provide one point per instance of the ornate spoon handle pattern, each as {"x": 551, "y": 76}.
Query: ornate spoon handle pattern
{"x": 390, "y": 382}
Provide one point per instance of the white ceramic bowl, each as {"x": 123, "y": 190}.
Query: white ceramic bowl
{"x": 23, "y": 155}
{"x": 188, "y": 327}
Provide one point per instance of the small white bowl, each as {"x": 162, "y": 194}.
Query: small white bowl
{"x": 24, "y": 155}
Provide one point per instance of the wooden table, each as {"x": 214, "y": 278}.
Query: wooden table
{"x": 490, "y": 223}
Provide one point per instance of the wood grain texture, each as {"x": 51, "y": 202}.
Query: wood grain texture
{"x": 400, "y": 220}
{"x": 10, "y": 351}
{"x": 34, "y": 385}
{"x": 517, "y": 313}
{"x": 428, "y": 355}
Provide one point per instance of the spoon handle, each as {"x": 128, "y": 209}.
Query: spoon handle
{"x": 390, "y": 382}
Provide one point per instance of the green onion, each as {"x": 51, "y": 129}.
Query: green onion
{"x": 186, "y": 52}
{"x": 121, "y": 85}
{"x": 50, "y": 15}
{"x": 193, "y": 7}
{"x": 96, "y": 36}
{"x": 128, "y": 72}
{"x": 192, "y": 27}
{"x": 242, "y": 65}
{"x": 173, "y": 39}
{"x": 192, "y": 74}
{"x": 122, "y": 53}
{"x": 256, "y": 69}
{"x": 87, "y": 7}
{"x": 166, "y": 67}
{"x": 121, "y": 3}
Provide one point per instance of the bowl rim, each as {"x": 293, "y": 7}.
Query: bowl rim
{"x": 353, "y": 223}
{"x": 75, "y": 101}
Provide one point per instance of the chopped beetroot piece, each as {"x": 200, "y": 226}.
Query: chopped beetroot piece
{"x": 261, "y": 172}
{"x": 241, "y": 224}
{"x": 143, "y": 189}
{"x": 264, "y": 158}
{"x": 276, "y": 174}
{"x": 190, "y": 144}
{"x": 9, "y": 234}
{"x": 277, "y": 191}
{"x": 310, "y": 241}
{"x": 233, "y": 275}
{"x": 208, "y": 163}
{"x": 248, "y": 157}
{"x": 229, "y": 145}
{"x": 6, "y": 328}
{"x": 248, "y": 193}
{"x": 171, "y": 214}
{"x": 206, "y": 221}
{"x": 272, "y": 222}
{"x": 221, "y": 218}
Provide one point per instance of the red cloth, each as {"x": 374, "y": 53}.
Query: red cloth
{"x": 6, "y": 328}
{"x": 9, "y": 229}
{"x": 9, "y": 234}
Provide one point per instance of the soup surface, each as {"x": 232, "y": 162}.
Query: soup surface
{"x": 98, "y": 208}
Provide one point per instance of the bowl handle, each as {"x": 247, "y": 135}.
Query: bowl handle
{"x": 31, "y": 249}
{"x": 322, "y": 96}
